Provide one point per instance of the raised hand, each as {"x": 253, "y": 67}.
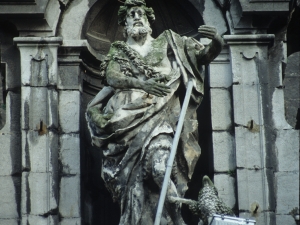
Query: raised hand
{"x": 152, "y": 86}
{"x": 208, "y": 31}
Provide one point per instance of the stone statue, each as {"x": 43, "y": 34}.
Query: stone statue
{"x": 133, "y": 120}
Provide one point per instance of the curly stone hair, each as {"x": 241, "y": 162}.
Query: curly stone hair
{"x": 122, "y": 13}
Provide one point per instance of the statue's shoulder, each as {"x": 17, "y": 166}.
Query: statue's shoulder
{"x": 116, "y": 47}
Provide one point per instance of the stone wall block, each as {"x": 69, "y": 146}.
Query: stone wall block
{"x": 69, "y": 201}
{"x": 8, "y": 201}
{"x": 287, "y": 148}
{"x": 9, "y": 221}
{"x": 53, "y": 109}
{"x": 278, "y": 110}
{"x": 248, "y": 148}
{"x": 244, "y": 64}
{"x": 38, "y": 62}
{"x": 34, "y": 107}
{"x": 10, "y": 156}
{"x": 226, "y": 188}
{"x": 246, "y": 105}
{"x": 70, "y": 153}
{"x": 69, "y": 76}
{"x": 42, "y": 151}
{"x": 40, "y": 220}
{"x": 27, "y": 53}
{"x": 39, "y": 108}
{"x": 69, "y": 111}
{"x": 224, "y": 153}
{"x": 41, "y": 196}
{"x": 10, "y": 137}
{"x": 287, "y": 191}
{"x": 220, "y": 109}
{"x": 220, "y": 75}
{"x": 262, "y": 218}
{"x": 70, "y": 221}
{"x": 252, "y": 188}
{"x": 13, "y": 102}
{"x": 285, "y": 219}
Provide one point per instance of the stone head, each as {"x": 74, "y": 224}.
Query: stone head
{"x": 126, "y": 12}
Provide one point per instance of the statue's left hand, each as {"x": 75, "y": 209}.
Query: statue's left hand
{"x": 208, "y": 32}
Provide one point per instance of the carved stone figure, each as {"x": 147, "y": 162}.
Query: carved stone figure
{"x": 134, "y": 119}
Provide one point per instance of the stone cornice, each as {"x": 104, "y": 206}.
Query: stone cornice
{"x": 29, "y": 41}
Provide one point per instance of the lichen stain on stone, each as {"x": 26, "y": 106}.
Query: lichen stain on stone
{"x": 253, "y": 127}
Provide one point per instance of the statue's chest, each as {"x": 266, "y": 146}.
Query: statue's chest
{"x": 158, "y": 52}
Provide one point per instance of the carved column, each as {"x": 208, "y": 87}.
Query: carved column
{"x": 39, "y": 127}
{"x": 249, "y": 62}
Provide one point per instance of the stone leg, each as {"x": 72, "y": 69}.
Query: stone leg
{"x": 159, "y": 165}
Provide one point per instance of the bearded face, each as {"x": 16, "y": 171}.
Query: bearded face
{"x": 137, "y": 24}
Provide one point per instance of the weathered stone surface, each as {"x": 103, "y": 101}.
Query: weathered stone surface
{"x": 287, "y": 146}
{"x": 224, "y": 156}
{"x": 73, "y": 20}
{"x": 39, "y": 193}
{"x": 252, "y": 187}
{"x": 8, "y": 201}
{"x": 5, "y": 156}
{"x": 9, "y": 221}
{"x": 292, "y": 88}
{"x": 278, "y": 110}
{"x": 69, "y": 111}
{"x": 220, "y": 75}
{"x": 40, "y": 220}
{"x": 13, "y": 102}
{"x": 213, "y": 16}
{"x": 248, "y": 148}
{"x": 69, "y": 201}
{"x": 246, "y": 104}
{"x": 287, "y": 191}
{"x": 70, "y": 221}
{"x": 226, "y": 188}
{"x": 40, "y": 152}
{"x": 261, "y": 218}
{"x": 38, "y": 48}
{"x": 70, "y": 153}
{"x": 285, "y": 219}
{"x": 39, "y": 109}
{"x": 220, "y": 109}
{"x": 69, "y": 76}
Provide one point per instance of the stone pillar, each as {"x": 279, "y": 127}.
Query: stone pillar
{"x": 39, "y": 127}
{"x": 220, "y": 80}
{"x": 69, "y": 87}
{"x": 249, "y": 62}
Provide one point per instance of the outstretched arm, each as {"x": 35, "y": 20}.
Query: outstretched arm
{"x": 211, "y": 51}
{"x": 117, "y": 79}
